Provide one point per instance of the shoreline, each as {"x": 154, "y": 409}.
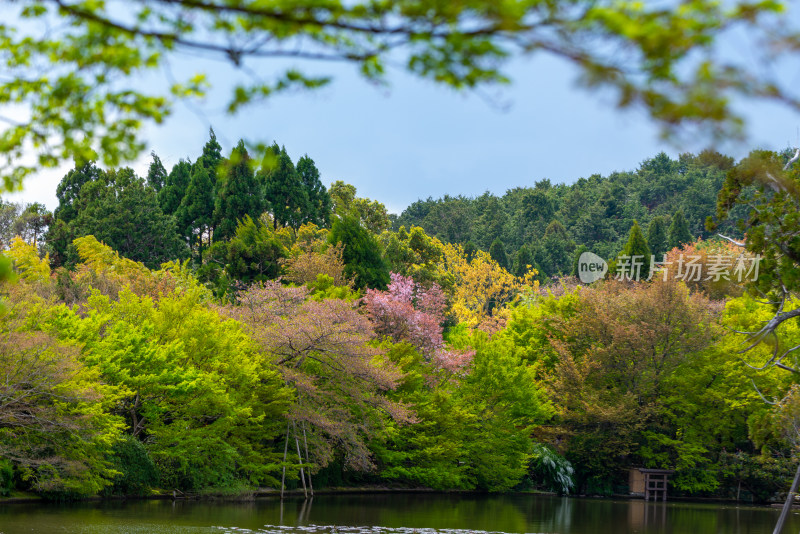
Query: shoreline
{"x": 269, "y": 493}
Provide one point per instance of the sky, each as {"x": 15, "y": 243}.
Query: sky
{"x": 415, "y": 139}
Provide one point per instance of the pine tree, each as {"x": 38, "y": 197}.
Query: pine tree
{"x": 497, "y": 251}
{"x": 156, "y": 173}
{"x": 679, "y": 233}
{"x": 657, "y": 237}
{"x": 238, "y": 194}
{"x": 637, "y": 253}
{"x": 195, "y": 214}
{"x": 283, "y": 190}
{"x": 171, "y": 195}
{"x": 318, "y": 209}
{"x": 212, "y": 156}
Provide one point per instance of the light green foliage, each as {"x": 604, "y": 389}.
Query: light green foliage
{"x": 67, "y": 64}
{"x": 533, "y": 327}
{"x": 473, "y": 431}
{"x": 413, "y": 253}
{"x": 371, "y": 214}
{"x": 188, "y": 384}
{"x": 55, "y": 426}
{"x": 194, "y": 389}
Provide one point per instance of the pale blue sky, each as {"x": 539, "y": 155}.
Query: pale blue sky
{"x": 416, "y": 139}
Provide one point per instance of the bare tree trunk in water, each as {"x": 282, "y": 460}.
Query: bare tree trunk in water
{"x": 305, "y": 442}
{"x": 300, "y": 459}
{"x": 788, "y": 504}
{"x": 285, "y": 450}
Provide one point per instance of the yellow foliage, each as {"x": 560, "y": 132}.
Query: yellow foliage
{"x": 481, "y": 288}
{"x": 310, "y": 238}
{"x": 27, "y": 263}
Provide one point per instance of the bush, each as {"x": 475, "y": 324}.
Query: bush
{"x": 138, "y": 473}
{"x": 6, "y": 478}
{"x": 551, "y": 470}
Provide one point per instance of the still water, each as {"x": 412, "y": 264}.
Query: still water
{"x": 393, "y": 514}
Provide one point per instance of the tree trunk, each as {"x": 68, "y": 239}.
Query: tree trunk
{"x": 300, "y": 459}
{"x": 788, "y": 504}
{"x": 305, "y": 442}
{"x": 285, "y": 450}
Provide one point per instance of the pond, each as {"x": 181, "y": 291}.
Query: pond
{"x": 397, "y": 513}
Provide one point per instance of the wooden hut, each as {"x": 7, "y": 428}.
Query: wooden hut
{"x": 649, "y": 482}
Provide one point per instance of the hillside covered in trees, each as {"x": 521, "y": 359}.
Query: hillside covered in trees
{"x": 231, "y": 324}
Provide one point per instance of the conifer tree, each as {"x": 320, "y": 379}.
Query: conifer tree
{"x": 283, "y": 190}
{"x": 523, "y": 259}
{"x": 171, "y": 195}
{"x": 238, "y": 194}
{"x": 657, "y": 237}
{"x": 498, "y": 253}
{"x": 679, "y": 233}
{"x": 636, "y": 252}
{"x": 156, "y": 173}
{"x": 362, "y": 253}
{"x": 195, "y": 214}
{"x": 318, "y": 209}
{"x": 212, "y": 156}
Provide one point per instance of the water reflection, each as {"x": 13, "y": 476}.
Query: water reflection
{"x": 393, "y": 514}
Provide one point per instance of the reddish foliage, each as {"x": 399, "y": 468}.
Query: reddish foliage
{"x": 410, "y": 312}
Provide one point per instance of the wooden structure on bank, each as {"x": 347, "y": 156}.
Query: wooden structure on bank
{"x": 649, "y": 482}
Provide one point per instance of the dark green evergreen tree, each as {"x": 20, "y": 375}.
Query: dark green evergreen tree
{"x": 554, "y": 253}
{"x": 252, "y": 255}
{"x": 156, "y": 173}
{"x": 362, "y": 253}
{"x": 196, "y": 212}
{"x": 637, "y": 253}
{"x": 212, "y": 156}
{"x": 171, "y": 195}
{"x": 657, "y": 237}
{"x": 522, "y": 260}
{"x": 60, "y": 235}
{"x": 238, "y": 194}
{"x": 319, "y": 205}
{"x": 470, "y": 250}
{"x": 679, "y": 233}
{"x": 69, "y": 189}
{"x": 577, "y": 256}
{"x": 489, "y": 226}
{"x": 122, "y": 211}
{"x": 284, "y": 192}
{"x": 497, "y": 251}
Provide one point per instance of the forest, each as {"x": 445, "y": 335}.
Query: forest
{"x": 234, "y": 324}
